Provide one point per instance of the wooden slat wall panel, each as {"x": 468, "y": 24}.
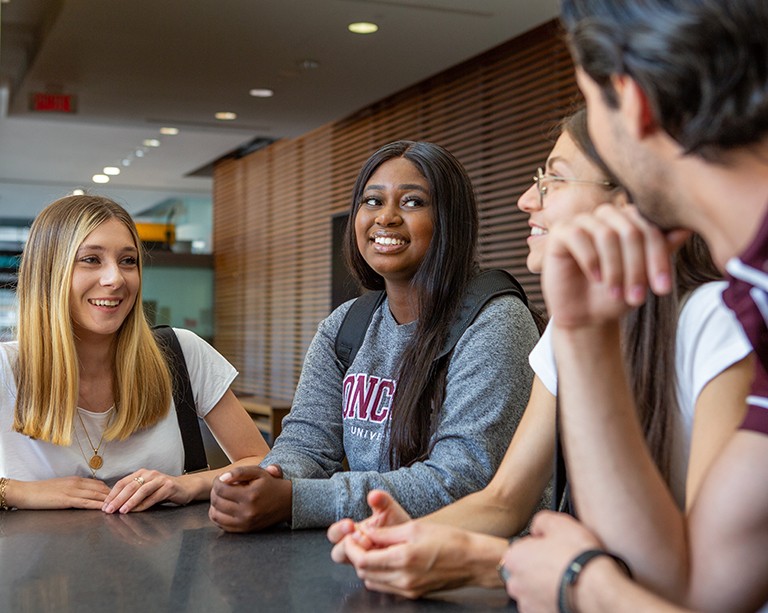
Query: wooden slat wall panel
{"x": 272, "y": 209}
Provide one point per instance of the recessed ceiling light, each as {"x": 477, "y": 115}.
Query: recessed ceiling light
{"x": 100, "y": 179}
{"x": 151, "y": 142}
{"x": 126, "y": 161}
{"x": 78, "y": 192}
{"x": 226, "y": 116}
{"x": 363, "y": 27}
{"x": 111, "y": 170}
{"x": 309, "y": 64}
{"x": 169, "y": 131}
{"x": 139, "y": 153}
{"x": 261, "y": 93}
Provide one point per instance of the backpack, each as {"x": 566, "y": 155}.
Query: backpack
{"x": 189, "y": 424}
{"x": 480, "y": 290}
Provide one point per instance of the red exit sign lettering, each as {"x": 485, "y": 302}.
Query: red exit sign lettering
{"x": 53, "y": 103}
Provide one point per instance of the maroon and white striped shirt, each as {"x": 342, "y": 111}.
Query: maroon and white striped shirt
{"x": 747, "y": 296}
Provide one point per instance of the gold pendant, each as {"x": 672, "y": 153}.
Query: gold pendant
{"x": 96, "y": 462}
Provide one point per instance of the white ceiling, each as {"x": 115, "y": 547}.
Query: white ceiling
{"x": 138, "y": 65}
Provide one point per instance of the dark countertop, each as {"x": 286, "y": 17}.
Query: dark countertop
{"x": 175, "y": 559}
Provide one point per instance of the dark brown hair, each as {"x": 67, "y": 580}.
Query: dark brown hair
{"x": 703, "y": 64}
{"x": 648, "y": 338}
{"x": 649, "y": 332}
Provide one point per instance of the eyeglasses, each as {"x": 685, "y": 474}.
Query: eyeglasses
{"x": 542, "y": 181}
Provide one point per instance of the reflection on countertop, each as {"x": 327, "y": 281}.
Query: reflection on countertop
{"x": 175, "y": 559}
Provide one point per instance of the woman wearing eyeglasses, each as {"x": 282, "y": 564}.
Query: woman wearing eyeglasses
{"x": 690, "y": 375}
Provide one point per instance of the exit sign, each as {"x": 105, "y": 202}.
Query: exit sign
{"x": 53, "y": 103}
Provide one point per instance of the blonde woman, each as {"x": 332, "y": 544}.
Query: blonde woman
{"x": 86, "y": 409}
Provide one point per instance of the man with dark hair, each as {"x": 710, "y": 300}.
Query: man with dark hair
{"x": 677, "y": 99}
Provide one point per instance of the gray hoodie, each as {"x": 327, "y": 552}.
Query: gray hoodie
{"x": 337, "y": 414}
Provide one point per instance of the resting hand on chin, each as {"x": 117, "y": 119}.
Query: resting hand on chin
{"x": 599, "y": 265}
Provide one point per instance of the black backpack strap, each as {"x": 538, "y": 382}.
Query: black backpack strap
{"x": 480, "y": 290}
{"x": 353, "y": 328}
{"x": 194, "y": 449}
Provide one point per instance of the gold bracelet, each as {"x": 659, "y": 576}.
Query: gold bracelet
{"x": 3, "y": 503}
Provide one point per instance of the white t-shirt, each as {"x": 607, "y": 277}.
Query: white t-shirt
{"x": 158, "y": 448}
{"x": 709, "y": 340}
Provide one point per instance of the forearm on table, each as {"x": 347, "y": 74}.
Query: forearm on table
{"x": 478, "y": 512}
{"x": 16, "y": 494}
{"x": 311, "y": 443}
{"x": 199, "y": 484}
{"x": 618, "y": 491}
{"x": 490, "y": 511}
{"x": 420, "y": 489}
{"x": 506, "y": 504}
{"x": 481, "y": 559}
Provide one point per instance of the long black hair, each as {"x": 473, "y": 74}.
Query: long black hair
{"x": 439, "y": 283}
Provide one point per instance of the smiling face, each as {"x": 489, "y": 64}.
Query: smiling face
{"x": 394, "y": 221}
{"x": 564, "y": 199}
{"x": 105, "y": 280}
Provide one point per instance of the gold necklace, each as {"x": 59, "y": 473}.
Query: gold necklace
{"x": 82, "y": 453}
{"x": 96, "y": 461}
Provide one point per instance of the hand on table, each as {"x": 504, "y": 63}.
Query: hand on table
{"x": 249, "y": 498}
{"x": 59, "y": 493}
{"x": 414, "y": 558}
{"x": 143, "y": 489}
{"x": 385, "y": 512}
{"x": 536, "y": 563}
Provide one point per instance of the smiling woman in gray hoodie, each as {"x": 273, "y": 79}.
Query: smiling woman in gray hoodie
{"x": 427, "y": 430}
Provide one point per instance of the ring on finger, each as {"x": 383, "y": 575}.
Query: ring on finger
{"x": 504, "y": 573}
{"x": 139, "y": 480}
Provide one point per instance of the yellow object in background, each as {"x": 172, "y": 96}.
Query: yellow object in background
{"x": 156, "y": 232}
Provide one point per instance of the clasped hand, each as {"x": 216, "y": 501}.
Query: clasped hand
{"x": 249, "y": 498}
{"x": 599, "y": 265}
{"x": 394, "y": 554}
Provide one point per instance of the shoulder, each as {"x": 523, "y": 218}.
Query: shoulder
{"x": 10, "y": 349}
{"x": 708, "y": 294}
{"x": 332, "y": 323}
{"x": 191, "y": 343}
{"x": 9, "y": 353}
{"x": 705, "y": 306}
{"x": 504, "y": 322}
{"x": 506, "y": 310}
{"x": 338, "y": 314}
{"x": 709, "y": 337}
{"x": 187, "y": 337}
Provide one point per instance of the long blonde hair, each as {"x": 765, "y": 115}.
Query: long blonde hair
{"x": 47, "y": 372}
